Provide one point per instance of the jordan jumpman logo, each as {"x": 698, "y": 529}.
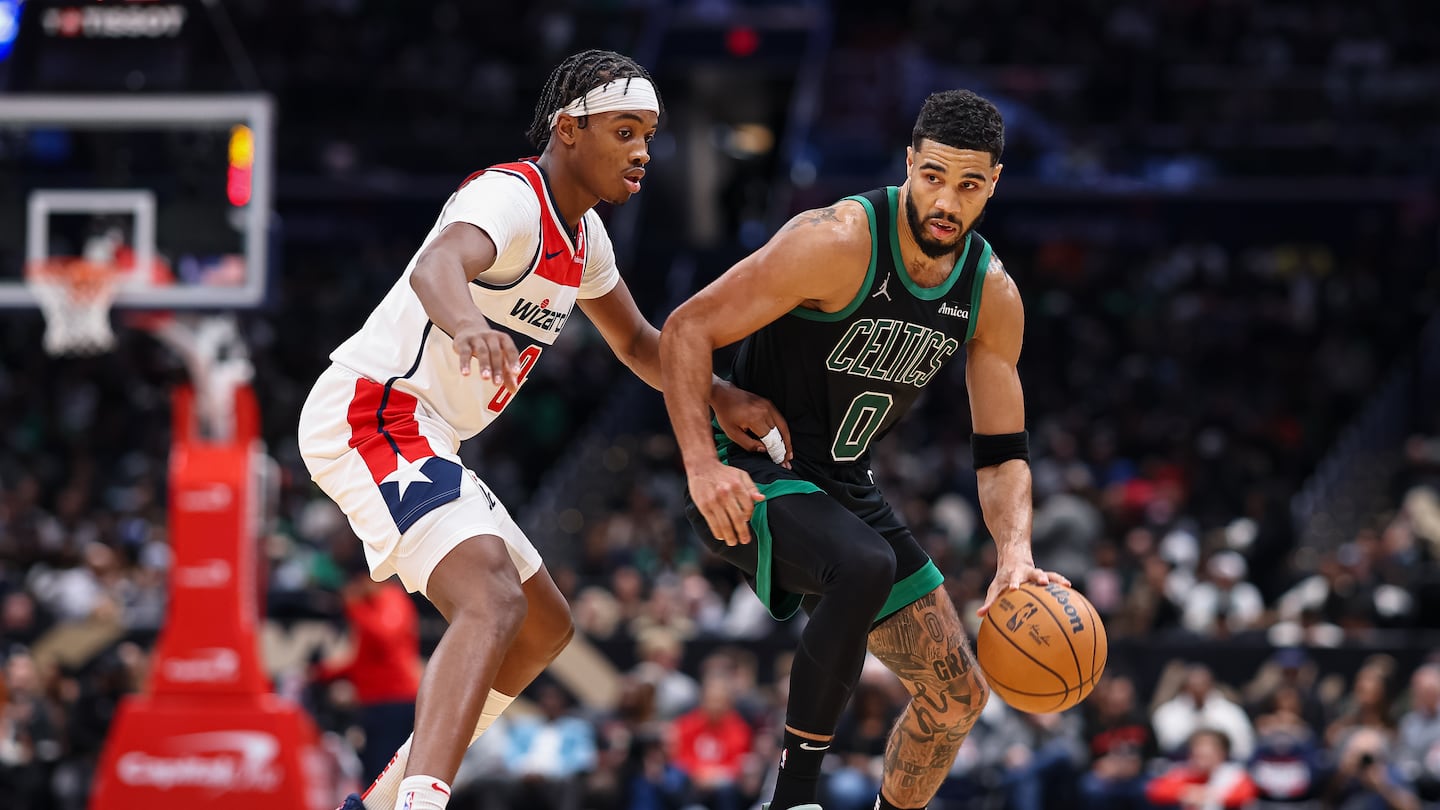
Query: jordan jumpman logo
{"x": 884, "y": 289}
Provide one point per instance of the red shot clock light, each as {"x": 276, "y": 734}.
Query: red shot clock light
{"x": 742, "y": 41}
{"x": 239, "y": 176}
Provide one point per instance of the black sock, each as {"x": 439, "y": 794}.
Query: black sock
{"x": 799, "y": 778}
{"x": 881, "y": 803}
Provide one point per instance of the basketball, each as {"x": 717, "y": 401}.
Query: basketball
{"x": 1042, "y": 647}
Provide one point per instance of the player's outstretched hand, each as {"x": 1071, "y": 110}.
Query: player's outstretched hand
{"x": 753, "y": 422}
{"x": 493, "y": 352}
{"x": 725, "y": 496}
{"x": 1009, "y": 576}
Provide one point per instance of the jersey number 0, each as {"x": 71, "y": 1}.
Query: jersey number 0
{"x": 864, "y": 416}
{"x": 527, "y": 362}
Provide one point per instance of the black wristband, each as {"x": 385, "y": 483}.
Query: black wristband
{"x": 990, "y": 449}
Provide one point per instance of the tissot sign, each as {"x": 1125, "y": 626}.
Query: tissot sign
{"x": 136, "y": 19}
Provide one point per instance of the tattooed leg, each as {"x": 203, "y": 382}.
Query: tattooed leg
{"x": 925, "y": 645}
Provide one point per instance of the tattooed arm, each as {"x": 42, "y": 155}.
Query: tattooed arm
{"x": 925, "y": 645}
{"x": 818, "y": 260}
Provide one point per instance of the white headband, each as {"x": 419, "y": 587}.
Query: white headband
{"x": 635, "y": 93}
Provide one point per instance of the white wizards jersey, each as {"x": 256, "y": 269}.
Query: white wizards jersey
{"x": 540, "y": 270}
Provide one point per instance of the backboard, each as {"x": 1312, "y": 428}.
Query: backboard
{"x": 173, "y": 192}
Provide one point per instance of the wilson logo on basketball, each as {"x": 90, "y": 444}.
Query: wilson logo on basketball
{"x": 1062, "y": 595}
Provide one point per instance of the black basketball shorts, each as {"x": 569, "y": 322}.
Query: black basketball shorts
{"x": 850, "y": 487}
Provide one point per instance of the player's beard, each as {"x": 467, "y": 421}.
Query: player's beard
{"x": 932, "y": 247}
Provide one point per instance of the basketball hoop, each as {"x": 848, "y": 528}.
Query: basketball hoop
{"x": 75, "y": 295}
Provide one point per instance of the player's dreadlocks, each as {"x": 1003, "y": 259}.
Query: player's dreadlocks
{"x": 573, "y": 78}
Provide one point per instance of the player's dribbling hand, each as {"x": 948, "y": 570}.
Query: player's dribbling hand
{"x": 725, "y": 496}
{"x": 747, "y": 418}
{"x": 492, "y": 351}
{"x": 1009, "y": 576}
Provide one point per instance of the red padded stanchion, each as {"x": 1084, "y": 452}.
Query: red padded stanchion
{"x": 208, "y": 732}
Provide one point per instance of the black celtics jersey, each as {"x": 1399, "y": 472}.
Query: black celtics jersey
{"x": 843, "y": 379}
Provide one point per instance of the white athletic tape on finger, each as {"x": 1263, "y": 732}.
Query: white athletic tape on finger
{"x": 774, "y": 445}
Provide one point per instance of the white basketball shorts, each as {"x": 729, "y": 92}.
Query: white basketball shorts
{"x": 390, "y": 464}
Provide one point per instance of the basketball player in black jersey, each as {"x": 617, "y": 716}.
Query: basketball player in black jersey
{"x": 846, "y": 314}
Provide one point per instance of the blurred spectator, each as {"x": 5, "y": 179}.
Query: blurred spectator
{"x": 1368, "y": 704}
{"x": 634, "y": 714}
{"x": 91, "y": 697}
{"x": 1224, "y": 604}
{"x": 1287, "y": 749}
{"x": 1418, "y": 744}
{"x": 1105, "y": 584}
{"x": 548, "y": 755}
{"x": 384, "y": 664}
{"x": 22, "y": 621}
{"x": 1365, "y": 778}
{"x": 71, "y": 591}
{"x": 1067, "y": 527}
{"x": 977, "y": 772}
{"x": 596, "y": 612}
{"x": 1205, "y": 779}
{"x": 1120, "y": 743}
{"x": 29, "y": 738}
{"x": 484, "y": 780}
{"x": 745, "y": 616}
{"x": 660, "y": 652}
{"x": 1349, "y": 594}
{"x": 644, "y": 534}
{"x": 1061, "y": 469}
{"x": 739, "y": 666}
{"x": 1041, "y": 755}
{"x": 664, "y": 611}
{"x": 618, "y": 736}
{"x": 651, "y": 781}
{"x": 1287, "y": 669}
{"x": 1152, "y": 605}
{"x": 702, "y": 604}
{"x": 765, "y": 755}
{"x": 1201, "y": 705}
{"x": 710, "y": 745}
{"x": 857, "y": 752}
{"x": 627, "y": 585}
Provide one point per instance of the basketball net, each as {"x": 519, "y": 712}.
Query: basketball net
{"x": 75, "y": 295}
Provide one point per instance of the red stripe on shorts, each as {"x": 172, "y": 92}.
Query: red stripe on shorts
{"x": 371, "y": 432}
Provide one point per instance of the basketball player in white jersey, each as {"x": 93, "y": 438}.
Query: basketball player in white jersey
{"x": 514, "y": 249}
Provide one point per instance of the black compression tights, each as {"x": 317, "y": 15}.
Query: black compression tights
{"x": 821, "y": 548}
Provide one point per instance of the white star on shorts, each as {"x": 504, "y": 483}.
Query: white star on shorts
{"x": 406, "y": 473}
